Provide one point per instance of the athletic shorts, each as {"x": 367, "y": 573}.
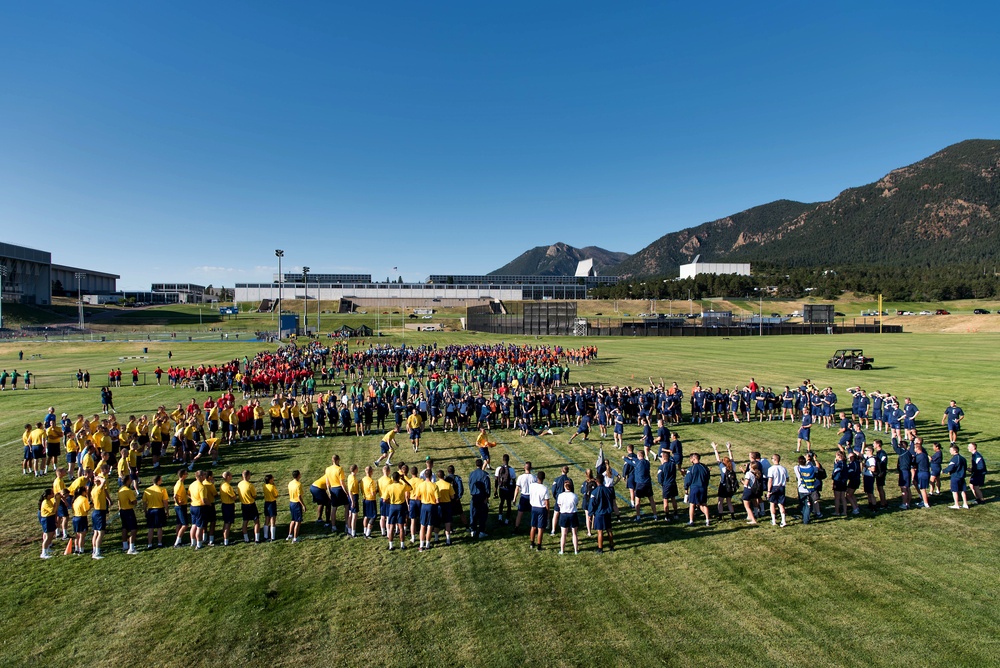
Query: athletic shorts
{"x": 428, "y": 514}
{"x": 228, "y": 513}
{"x": 777, "y": 495}
{"x": 839, "y": 486}
{"x": 52, "y": 450}
{"x": 71, "y": 457}
{"x": 905, "y": 479}
{"x": 568, "y": 521}
{"x": 977, "y": 479}
{"x": 370, "y": 509}
{"x": 156, "y": 518}
{"x": 249, "y": 512}
{"x": 414, "y": 434}
{"x": 602, "y": 521}
{"x": 48, "y": 524}
{"x": 923, "y": 480}
{"x": 129, "y": 522}
{"x": 698, "y": 496}
{"x": 804, "y": 434}
{"x": 354, "y": 503}
{"x": 270, "y": 509}
{"x": 524, "y": 504}
{"x": 155, "y": 448}
{"x": 445, "y": 513}
{"x": 197, "y": 517}
{"x": 958, "y": 484}
{"x": 395, "y": 515}
{"x": 181, "y": 515}
{"x": 644, "y": 491}
{"x": 338, "y": 498}
{"x": 539, "y": 518}
{"x": 80, "y": 524}
{"x": 295, "y": 510}
{"x": 415, "y": 508}
{"x": 384, "y": 447}
{"x": 38, "y": 452}
{"x": 319, "y": 496}
{"x": 62, "y": 510}
{"x": 670, "y": 491}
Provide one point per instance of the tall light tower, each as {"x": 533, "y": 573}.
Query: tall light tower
{"x": 3, "y": 275}
{"x": 305, "y": 300}
{"x": 279, "y": 254}
{"x": 79, "y": 275}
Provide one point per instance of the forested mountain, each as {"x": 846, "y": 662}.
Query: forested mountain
{"x": 559, "y": 259}
{"x": 942, "y": 210}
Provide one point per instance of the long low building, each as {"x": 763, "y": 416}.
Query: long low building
{"x": 27, "y": 276}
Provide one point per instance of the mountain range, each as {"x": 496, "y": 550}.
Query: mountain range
{"x": 942, "y": 210}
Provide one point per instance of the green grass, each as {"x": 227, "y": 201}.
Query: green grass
{"x": 901, "y": 588}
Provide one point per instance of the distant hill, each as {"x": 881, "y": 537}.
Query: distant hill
{"x": 944, "y": 209}
{"x": 559, "y": 259}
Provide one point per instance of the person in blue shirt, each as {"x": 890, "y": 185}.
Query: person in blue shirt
{"x": 904, "y": 465}
{"x": 676, "y": 449}
{"x": 807, "y": 421}
{"x": 479, "y": 490}
{"x": 922, "y": 472}
{"x": 858, "y": 439}
{"x": 666, "y": 477}
{"x": 910, "y": 413}
{"x": 643, "y": 485}
{"x": 619, "y": 426}
{"x": 956, "y": 469}
{"x": 881, "y": 472}
{"x": 696, "y": 486}
{"x": 937, "y": 463}
{"x": 846, "y": 430}
{"x": 978, "y": 476}
{"x": 953, "y": 415}
{"x": 853, "y": 480}
{"x": 628, "y": 465}
{"x": 601, "y": 508}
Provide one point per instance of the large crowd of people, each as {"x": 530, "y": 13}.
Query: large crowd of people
{"x": 321, "y": 391}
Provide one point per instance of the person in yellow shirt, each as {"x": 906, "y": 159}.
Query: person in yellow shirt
{"x": 100, "y": 502}
{"x": 73, "y": 451}
{"x": 155, "y": 499}
{"x": 28, "y": 463}
{"x": 126, "y": 512}
{"x": 47, "y": 517}
{"x": 233, "y": 421}
{"x": 227, "y": 500}
{"x": 320, "y": 491}
{"x": 287, "y": 427}
{"x": 428, "y": 493}
{"x": 383, "y": 498}
{"x": 181, "y": 506}
{"x": 53, "y": 438}
{"x": 248, "y": 506}
{"x": 337, "y": 487}
{"x": 61, "y": 496}
{"x": 37, "y": 441}
{"x": 446, "y": 493}
{"x": 270, "y": 507}
{"x": 414, "y": 424}
{"x": 275, "y": 412}
{"x": 306, "y": 411}
{"x": 258, "y": 420}
{"x": 208, "y": 510}
{"x": 81, "y": 505}
{"x": 396, "y": 496}
{"x": 413, "y": 482}
{"x": 296, "y": 507}
{"x": 196, "y": 495}
{"x": 387, "y": 447}
{"x": 213, "y": 419}
{"x": 369, "y": 493}
{"x": 353, "y": 491}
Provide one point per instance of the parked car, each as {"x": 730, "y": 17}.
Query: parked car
{"x": 980, "y": 311}
{"x": 941, "y": 311}
{"x": 926, "y": 313}
{"x": 838, "y": 314}
{"x": 427, "y": 317}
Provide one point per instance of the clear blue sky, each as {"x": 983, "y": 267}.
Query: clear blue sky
{"x": 183, "y": 141}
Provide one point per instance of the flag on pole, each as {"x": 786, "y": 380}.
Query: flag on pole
{"x": 600, "y": 460}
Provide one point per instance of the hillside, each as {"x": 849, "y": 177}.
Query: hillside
{"x": 941, "y": 210}
{"x": 559, "y": 259}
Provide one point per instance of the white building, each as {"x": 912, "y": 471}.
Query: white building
{"x": 694, "y": 268}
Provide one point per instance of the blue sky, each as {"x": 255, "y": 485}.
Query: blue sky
{"x": 186, "y": 141}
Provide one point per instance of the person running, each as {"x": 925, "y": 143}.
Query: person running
{"x": 248, "y": 507}
{"x": 957, "y": 468}
{"x": 777, "y": 478}
{"x": 387, "y": 446}
{"x": 696, "y": 488}
{"x": 567, "y": 502}
{"x": 414, "y": 424}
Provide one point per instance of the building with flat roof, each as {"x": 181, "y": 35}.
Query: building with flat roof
{"x": 694, "y": 268}
{"x": 92, "y": 282}
{"x": 25, "y": 275}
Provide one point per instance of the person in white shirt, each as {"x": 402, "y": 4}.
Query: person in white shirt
{"x": 523, "y": 485}
{"x": 538, "y": 497}
{"x": 777, "y": 478}
{"x": 566, "y": 502}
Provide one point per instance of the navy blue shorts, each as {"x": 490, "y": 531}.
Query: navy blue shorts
{"x": 71, "y": 458}
{"x": 414, "y": 434}
{"x": 354, "y": 503}
{"x": 524, "y": 504}
{"x": 670, "y": 491}
{"x": 48, "y": 524}
{"x": 923, "y": 480}
{"x": 249, "y": 511}
{"x": 568, "y": 521}
{"x": 228, "y": 513}
{"x": 868, "y": 482}
{"x": 62, "y": 510}
{"x": 181, "y": 515}
{"x": 698, "y": 496}
{"x": 958, "y": 484}
{"x": 270, "y": 509}
{"x": 977, "y": 479}
{"x": 804, "y": 434}
{"x": 415, "y": 507}
{"x": 80, "y": 524}
{"x": 295, "y": 510}
{"x": 384, "y": 447}
{"x": 905, "y": 480}
{"x": 27, "y": 453}
{"x": 319, "y": 496}
{"x": 129, "y": 522}
{"x": 156, "y": 518}
{"x": 428, "y": 514}
{"x": 445, "y": 513}
{"x": 602, "y": 521}
{"x": 52, "y": 450}
{"x": 338, "y": 498}
{"x": 38, "y": 451}
{"x": 777, "y": 496}
{"x": 197, "y": 517}
{"x": 383, "y": 508}
{"x": 644, "y": 491}
{"x": 99, "y": 519}
{"x": 370, "y": 509}
{"x": 395, "y": 515}
{"x": 539, "y": 518}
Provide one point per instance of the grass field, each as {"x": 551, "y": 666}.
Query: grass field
{"x": 902, "y": 588}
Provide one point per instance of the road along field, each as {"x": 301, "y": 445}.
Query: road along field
{"x": 903, "y": 587}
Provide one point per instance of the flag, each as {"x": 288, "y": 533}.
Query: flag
{"x": 600, "y": 460}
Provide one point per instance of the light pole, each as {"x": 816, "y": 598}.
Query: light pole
{"x": 3, "y": 275}
{"x": 305, "y": 300}
{"x": 79, "y": 275}
{"x": 279, "y": 254}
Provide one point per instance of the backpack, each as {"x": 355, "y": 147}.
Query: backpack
{"x": 504, "y": 481}
{"x": 729, "y": 482}
{"x": 758, "y": 485}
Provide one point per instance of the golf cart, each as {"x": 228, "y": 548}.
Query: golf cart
{"x": 850, "y": 358}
